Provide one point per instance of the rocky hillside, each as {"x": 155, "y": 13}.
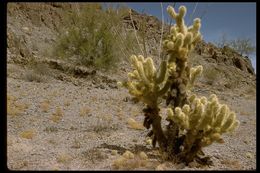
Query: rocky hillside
{"x": 32, "y": 29}
{"x": 62, "y": 116}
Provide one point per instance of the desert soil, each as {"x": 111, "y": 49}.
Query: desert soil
{"x": 93, "y": 122}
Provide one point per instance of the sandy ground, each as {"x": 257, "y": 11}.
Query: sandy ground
{"x": 57, "y": 125}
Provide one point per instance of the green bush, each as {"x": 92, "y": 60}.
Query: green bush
{"x": 92, "y": 36}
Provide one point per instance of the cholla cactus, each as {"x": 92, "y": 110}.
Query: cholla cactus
{"x": 193, "y": 122}
{"x": 195, "y": 72}
{"x": 178, "y": 45}
{"x": 182, "y": 39}
{"x": 146, "y": 82}
{"x": 204, "y": 119}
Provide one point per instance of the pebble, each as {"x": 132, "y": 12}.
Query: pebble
{"x": 114, "y": 152}
{"x": 249, "y": 155}
{"x": 181, "y": 166}
{"x": 160, "y": 167}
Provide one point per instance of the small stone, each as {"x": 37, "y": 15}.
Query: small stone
{"x": 249, "y": 155}
{"x": 245, "y": 141}
{"x": 217, "y": 156}
{"x": 134, "y": 140}
{"x": 114, "y": 152}
{"x": 192, "y": 164}
{"x": 26, "y": 29}
{"x": 180, "y": 166}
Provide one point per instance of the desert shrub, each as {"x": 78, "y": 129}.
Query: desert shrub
{"x": 242, "y": 45}
{"x": 31, "y": 76}
{"x": 37, "y": 71}
{"x": 211, "y": 75}
{"x": 92, "y": 36}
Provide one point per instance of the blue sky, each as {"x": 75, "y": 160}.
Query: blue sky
{"x": 236, "y": 20}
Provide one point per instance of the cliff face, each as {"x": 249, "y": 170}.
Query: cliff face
{"x": 32, "y": 29}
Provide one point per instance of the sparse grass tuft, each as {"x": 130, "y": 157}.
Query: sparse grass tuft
{"x": 28, "y": 134}
{"x": 84, "y": 111}
{"x": 64, "y": 158}
{"x": 45, "y": 106}
{"x": 94, "y": 155}
{"x": 14, "y": 107}
{"x": 41, "y": 69}
{"x": 234, "y": 164}
{"x": 31, "y": 76}
{"x": 135, "y": 125}
{"x": 66, "y": 103}
{"x": 104, "y": 124}
{"x": 57, "y": 115}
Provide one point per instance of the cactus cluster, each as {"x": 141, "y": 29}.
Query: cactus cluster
{"x": 193, "y": 122}
{"x": 205, "y": 119}
{"x": 146, "y": 82}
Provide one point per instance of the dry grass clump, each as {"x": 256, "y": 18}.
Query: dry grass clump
{"x": 45, "y": 106}
{"x": 41, "y": 69}
{"x": 31, "y": 76}
{"x": 104, "y": 124}
{"x": 234, "y": 164}
{"x": 129, "y": 161}
{"x": 66, "y": 103}
{"x": 57, "y": 115}
{"x": 28, "y": 134}
{"x": 38, "y": 71}
{"x": 15, "y": 108}
{"x": 84, "y": 111}
{"x": 64, "y": 158}
{"x": 94, "y": 155}
{"x": 135, "y": 125}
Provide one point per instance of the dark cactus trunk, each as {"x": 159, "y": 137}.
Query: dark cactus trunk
{"x": 152, "y": 118}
